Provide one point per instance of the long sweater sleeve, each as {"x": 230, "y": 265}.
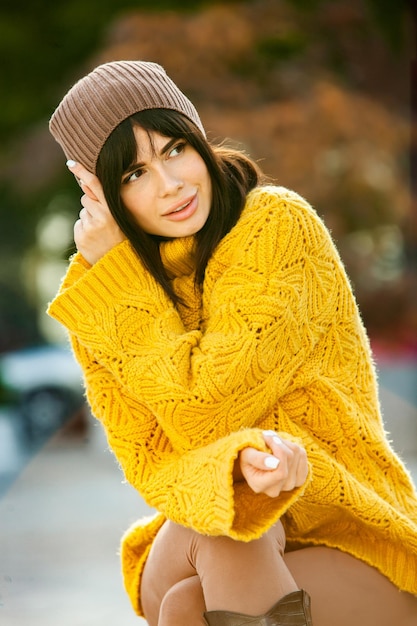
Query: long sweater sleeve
{"x": 194, "y": 488}
{"x": 203, "y": 384}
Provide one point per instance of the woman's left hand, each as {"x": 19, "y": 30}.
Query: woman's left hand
{"x": 96, "y": 231}
{"x": 283, "y": 469}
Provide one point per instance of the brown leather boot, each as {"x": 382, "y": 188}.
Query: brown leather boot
{"x": 292, "y": 610}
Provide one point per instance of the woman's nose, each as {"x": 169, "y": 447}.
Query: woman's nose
{"x": 169, "y": 182}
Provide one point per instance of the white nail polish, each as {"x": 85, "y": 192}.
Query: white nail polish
{"x": 271, "y": 462}
{"x": 276, "y": 439}
{"x": 71, "y": 163}
{"x": 269, "y": 433}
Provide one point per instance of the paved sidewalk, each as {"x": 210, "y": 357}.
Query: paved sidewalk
{"x": 60, "y": 526}
{"x": 61, "y": 522}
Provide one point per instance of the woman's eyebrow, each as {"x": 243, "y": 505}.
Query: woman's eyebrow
{"x": 166, "y": 148}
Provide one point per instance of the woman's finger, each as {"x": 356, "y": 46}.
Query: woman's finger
{"x": 293, "y": 459}
{"x": 83, "y": 213}
{"x": 271, "y": 437}
{"x": 89, "y": 192}
{"x": 302, "y": 469}
{"x": 282, "y": 470}
{"x": 276, "y": 444}
{"x": 258, "y": 460}
{"x": 88, "y": 182}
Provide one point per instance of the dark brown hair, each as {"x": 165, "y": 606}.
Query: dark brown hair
{"x": 232, "y": 175}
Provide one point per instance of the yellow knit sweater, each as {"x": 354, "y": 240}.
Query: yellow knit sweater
{"x": 275, "y": 341}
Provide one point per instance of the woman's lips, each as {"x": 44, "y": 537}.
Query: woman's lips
{"x": 184, "y": 210}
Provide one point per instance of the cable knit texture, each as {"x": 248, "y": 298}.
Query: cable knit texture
{"x": 274, "y": 341}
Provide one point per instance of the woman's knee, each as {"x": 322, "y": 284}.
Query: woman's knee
{"x": 209, "y": 550}
{"x": 166, "y": 565}
{"x": 183, "y": 604}
{"x": 175, "y": 543}
{"x": 180, "y": 554}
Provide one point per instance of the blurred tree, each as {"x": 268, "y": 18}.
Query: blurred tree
{"x": 42, "y": 45}
{"x": 45, "y": 45}
{"x": 42, "y": 42}
{"x": 391, "y": 18}
{"x": 387, "y": 16}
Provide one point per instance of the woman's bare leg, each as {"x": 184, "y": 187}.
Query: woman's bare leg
{"x": 345, "y": 591}
{"x": 184, "y": 604}
{"x": 235, "y": 576}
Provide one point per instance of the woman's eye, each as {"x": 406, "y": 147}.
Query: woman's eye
{"x": 133, "y": 176}
{"x": 176, "y": 150}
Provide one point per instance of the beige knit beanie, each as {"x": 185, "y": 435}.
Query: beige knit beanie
{"x": 109, "y": 94}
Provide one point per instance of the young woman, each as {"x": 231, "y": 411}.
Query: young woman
{"x": 224, "y": 354}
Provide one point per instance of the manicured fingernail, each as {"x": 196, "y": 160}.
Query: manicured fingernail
{"x": 71, "y": 163}
{"x": 269, "y": 433}
{"x": 271, "y": 462}
{"x": 276, "y": 439}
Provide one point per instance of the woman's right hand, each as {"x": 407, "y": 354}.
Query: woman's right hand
{"x": 284, "y": 469}
{"x": 96, "y": 231}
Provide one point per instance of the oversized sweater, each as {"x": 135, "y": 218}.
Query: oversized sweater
{"x": 273, "y": 340}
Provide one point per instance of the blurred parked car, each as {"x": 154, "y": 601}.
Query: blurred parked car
{"x": 44, "y": 385}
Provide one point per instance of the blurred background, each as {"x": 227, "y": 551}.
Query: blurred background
{"x": 323, "y": 93}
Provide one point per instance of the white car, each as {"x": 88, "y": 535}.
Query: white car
{"x": 44, "y": 384}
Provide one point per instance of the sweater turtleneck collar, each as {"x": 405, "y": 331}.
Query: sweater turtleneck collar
{"x": 178, "y": 256}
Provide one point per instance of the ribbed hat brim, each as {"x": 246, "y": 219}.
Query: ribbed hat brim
{"x": 97, "y": 103}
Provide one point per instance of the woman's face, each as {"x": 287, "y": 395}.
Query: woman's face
{"x": 168, "y": 190}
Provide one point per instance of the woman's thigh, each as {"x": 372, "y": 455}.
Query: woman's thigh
{"x": 343, "y": 590}
{"x": 166, "y": 565}
{"x": 346, "y": 591}
{"x": 183, "y": 604}
{"x": 236, "y": 576}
